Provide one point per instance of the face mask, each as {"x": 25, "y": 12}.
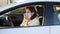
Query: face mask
{"x": 28, "y": 15}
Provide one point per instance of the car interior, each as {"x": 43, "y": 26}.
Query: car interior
{"x": 13, "y": 19}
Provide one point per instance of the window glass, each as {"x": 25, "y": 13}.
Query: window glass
{"x": 56, "y": 14}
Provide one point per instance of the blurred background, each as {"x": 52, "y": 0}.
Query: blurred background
{"x": 5, "y": 2}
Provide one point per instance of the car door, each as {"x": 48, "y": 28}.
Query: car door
{"x": 55, "y": 28}
{"x": 43, "y": 28}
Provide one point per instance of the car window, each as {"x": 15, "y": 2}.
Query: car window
{"x": 56, "y": 14}
{"x": 25, "y": 16}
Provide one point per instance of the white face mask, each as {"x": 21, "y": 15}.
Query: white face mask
{"x": 28, "y": 15}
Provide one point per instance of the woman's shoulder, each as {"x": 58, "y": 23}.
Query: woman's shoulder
{"x": 36, "y": 19}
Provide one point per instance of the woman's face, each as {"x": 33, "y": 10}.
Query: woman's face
{"x": 29, "y": 13}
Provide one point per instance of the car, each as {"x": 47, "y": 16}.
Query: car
{"x": 11, "y": 16}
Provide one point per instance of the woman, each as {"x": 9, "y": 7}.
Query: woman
{"x": 30, "y": 17}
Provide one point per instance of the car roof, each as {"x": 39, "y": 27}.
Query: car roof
{"x": 38, "y": 0}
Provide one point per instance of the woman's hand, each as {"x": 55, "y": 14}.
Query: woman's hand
{"x": 26, "y": 17}
{"x": 25, "y": 21}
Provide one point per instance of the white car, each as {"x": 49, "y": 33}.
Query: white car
{"x": 48, "y": 12}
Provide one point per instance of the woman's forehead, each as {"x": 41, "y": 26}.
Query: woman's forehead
{"x": 27, "y": 10}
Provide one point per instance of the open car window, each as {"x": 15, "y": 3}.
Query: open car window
{"x": 15, "y": 18}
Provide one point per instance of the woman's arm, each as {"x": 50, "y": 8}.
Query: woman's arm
{"x": 24, "y": 22}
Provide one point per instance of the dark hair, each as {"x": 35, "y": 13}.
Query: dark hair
{"x": 32, "y": 9}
